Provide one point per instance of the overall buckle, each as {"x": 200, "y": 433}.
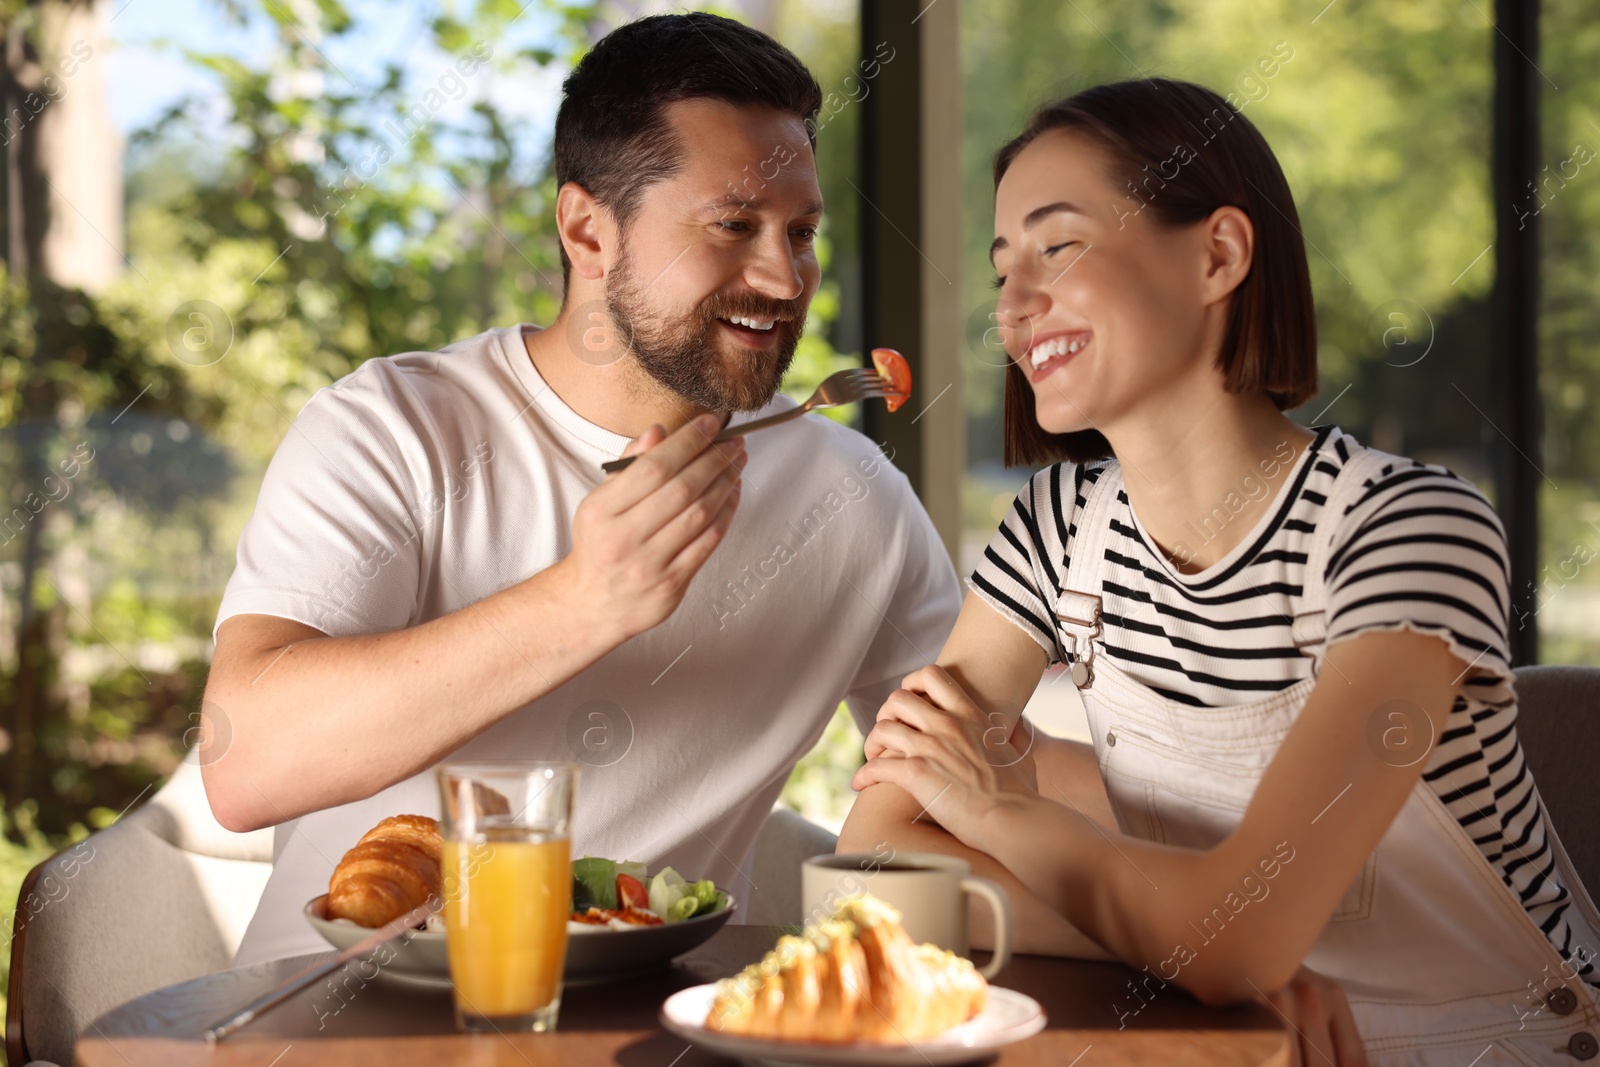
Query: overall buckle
{"x": 1079, "y": 616}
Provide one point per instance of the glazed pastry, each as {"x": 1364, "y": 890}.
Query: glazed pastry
{"x": 393, "y": 868}
{"x": 855, "y": 977}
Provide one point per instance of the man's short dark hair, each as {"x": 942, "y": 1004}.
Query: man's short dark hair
{"x": 612, "y": 136}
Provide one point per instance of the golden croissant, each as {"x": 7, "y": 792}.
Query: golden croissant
{"x": 855, "y": 977}
{"x": 392, "y": 869}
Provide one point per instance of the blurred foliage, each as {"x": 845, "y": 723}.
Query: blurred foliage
{"x": 1568, "y": 614}
{"x": 1569, "y": 236}
{"x": 819, "y": 788}
{"x": 340, "y": 223}
{"x": 17, "y": 858}
{"x": 51, "y": 425}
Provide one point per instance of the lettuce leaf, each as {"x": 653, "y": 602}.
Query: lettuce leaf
{"x": 594, "y": 883}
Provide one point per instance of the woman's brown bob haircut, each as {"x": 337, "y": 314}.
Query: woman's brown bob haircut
{"x": 1181, "y": 151}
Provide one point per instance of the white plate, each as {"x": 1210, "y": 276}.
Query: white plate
{"x": 1008, "y": 1017}
{"x": 596, "y": 954}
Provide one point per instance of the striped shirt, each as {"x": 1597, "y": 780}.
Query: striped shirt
{"x": 1421, "y": 549}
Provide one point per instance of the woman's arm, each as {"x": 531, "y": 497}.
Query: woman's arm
{"x": 886, "y": 814}
{"x": 1320, "y": 809}
{"x": 1000, "y": 665}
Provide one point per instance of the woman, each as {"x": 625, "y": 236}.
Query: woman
{"x": 1291, "y": 648}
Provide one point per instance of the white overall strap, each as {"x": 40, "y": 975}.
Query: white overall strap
{"x": 1078, "y": 609}
{"x": 1310, "y": 626}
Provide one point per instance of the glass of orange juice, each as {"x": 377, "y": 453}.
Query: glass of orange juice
{"x": 507, "y": 890}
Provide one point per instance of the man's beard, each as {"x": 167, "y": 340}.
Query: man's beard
{"x": 685, "y": 355}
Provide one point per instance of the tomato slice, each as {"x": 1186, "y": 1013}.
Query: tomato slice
{"x": 631, "y": 893}
{"x": 892, "y": 366}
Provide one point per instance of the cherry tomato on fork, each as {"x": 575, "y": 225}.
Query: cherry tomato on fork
{"x": 892, "y": 366}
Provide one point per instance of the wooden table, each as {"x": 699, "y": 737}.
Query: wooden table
{"x": 383, "y": 1023}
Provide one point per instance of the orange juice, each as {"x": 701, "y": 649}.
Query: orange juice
{"x": 506, "y": 908}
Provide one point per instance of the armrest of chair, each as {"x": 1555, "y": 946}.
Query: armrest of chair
{"x": 181, "y": 813}
{"x": 787, "y": 840}
{"x": 162, "y": 896}
{"x": 113, "y": 917}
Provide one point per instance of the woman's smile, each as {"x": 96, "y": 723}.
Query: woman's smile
{"x": 1053, "y": 350}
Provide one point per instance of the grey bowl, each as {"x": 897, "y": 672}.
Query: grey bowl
{"x": 597, "y": 954}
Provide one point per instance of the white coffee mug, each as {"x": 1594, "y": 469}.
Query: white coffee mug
{"x": 928, "y": 889}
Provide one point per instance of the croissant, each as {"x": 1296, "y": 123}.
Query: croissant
{"x": 854, "y": 977}
{"x": 393, "y": 868}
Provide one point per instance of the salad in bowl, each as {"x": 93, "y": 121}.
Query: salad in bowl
{"x": 618, "y": 895}
{"x": 624, "y": 921}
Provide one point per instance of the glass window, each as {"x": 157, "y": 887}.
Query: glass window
{"x": 1565, "y": 602}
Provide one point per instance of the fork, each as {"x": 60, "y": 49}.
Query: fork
{"x": 841, "y": 387}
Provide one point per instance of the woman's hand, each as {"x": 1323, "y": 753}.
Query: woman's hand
{"x": 958, "y": 761}
{"x": 1325, "y": 1029}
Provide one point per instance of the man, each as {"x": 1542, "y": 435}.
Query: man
{"x": 437, "y": 567}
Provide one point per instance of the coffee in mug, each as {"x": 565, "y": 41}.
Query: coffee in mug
{"x": 929, "y": 890}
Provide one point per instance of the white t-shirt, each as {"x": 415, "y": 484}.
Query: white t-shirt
{"x": 424, "y": 482}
